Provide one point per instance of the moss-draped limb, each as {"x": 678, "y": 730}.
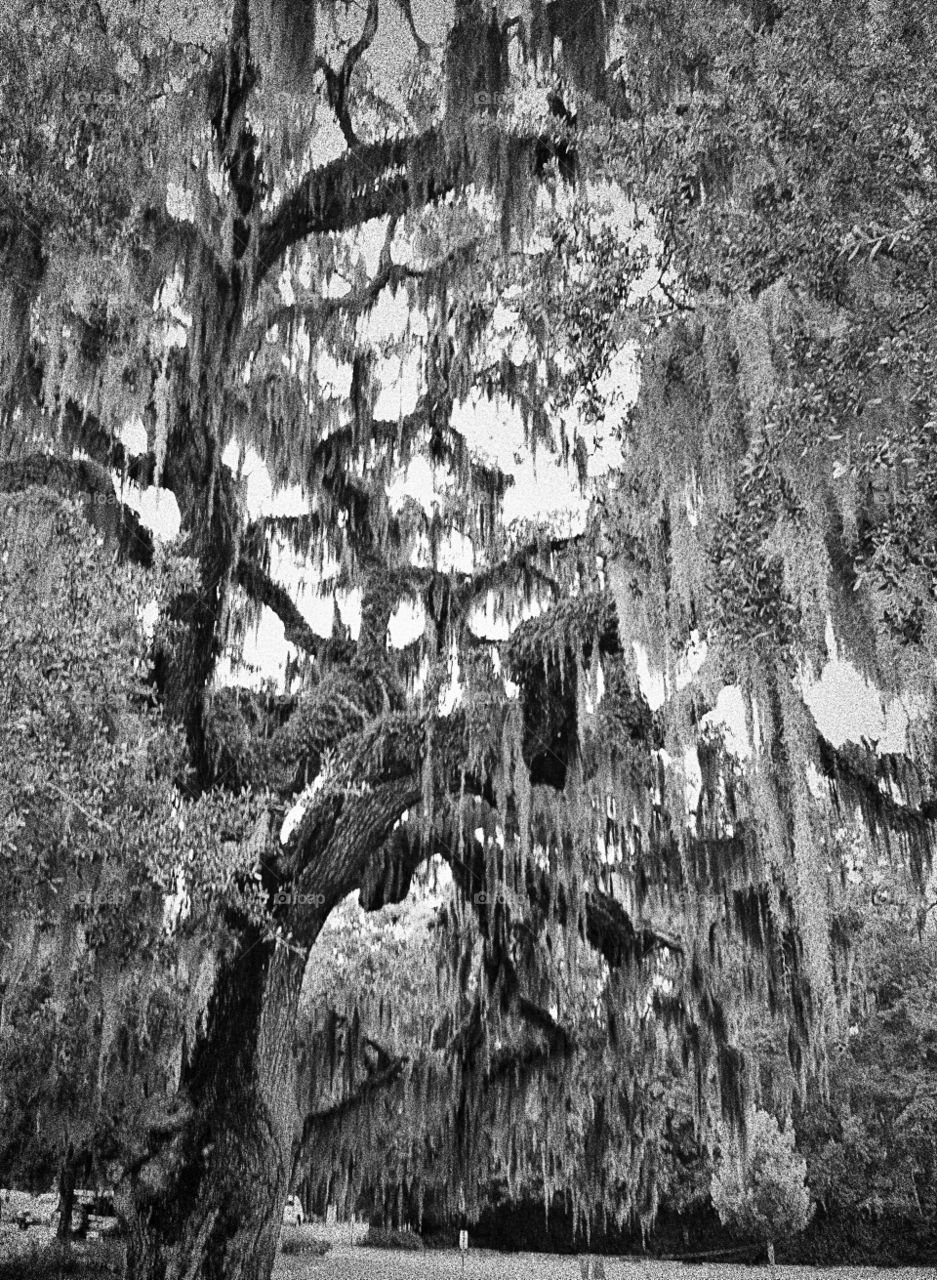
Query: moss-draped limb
{"x": 316, "y": 310}
{"x": 264, "y": 591}
{"x": 891, "y": 793}
{"x": 381, "y": 179}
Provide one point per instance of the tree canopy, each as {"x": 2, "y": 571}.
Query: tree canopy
{"x": 249, "y": 232}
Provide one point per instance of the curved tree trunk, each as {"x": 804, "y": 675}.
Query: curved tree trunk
{"x": 208, "y": 1201}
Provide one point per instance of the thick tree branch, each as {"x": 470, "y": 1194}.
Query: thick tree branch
{"x": 364, "y": 1093}
{"x": 317, "y": 1121}
{"x": 231, "y": 81}
{"x": 521, "y": 563}
{"x": 362, "y": 821}
{"x": 446, "y": 446}
{"x": 558, "y": 1038}
{"x": 377, "y": 179}
{"x": 371, "y": 779}
{"x": 319, "y": 720}
{"x": 264, "y": 591}
{"x": 856, "y": 772}
{"x": 405, "y": 9}
{"x": 367, "y": 182}
{"x": 608, "y": 926}
{"x": 84, "y": 431}
{"x": 318, "y": 309}
{"x": 614, "y": 935}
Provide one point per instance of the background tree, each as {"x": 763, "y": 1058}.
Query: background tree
{"x": 192, "y": 1196}
{"x": 869, "y": 1142}
{"x": 94, "y": 971}
{"x": 764, "y": 1196}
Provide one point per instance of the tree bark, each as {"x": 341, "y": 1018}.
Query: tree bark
{"x": 205, "y": 492}
{"x": 67, "y": 1173}
{"x": 207, "y": 1201}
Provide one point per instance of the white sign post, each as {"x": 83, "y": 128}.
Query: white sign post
{"x": 463, "y": 1247}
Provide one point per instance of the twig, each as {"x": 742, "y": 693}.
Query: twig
{"x": 98, "y": 822}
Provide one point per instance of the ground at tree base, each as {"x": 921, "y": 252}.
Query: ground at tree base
{"x": 32, "y": 1256}
{"x": 345, "y": 1263}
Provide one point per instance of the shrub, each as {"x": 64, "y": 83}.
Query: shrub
{"x": 391, "y": 1238}
{"x": 765, "y": 1197}
{"x": 296, "y": 1240}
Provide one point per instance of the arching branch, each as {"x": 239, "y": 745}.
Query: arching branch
{"x": 367, "y": 182}
{"x": 388, "y": 873}
{"x": 333, "y": 841}
{"x": 557, "y": 1036}
{"x": 521, "y": 563}
{"x": 376, "y": 179}
{"x": 371, "y": 1085}
{"x": 405, "y": 9}
{"x": 389, "y": 275}
{"x": 264, "y": 591}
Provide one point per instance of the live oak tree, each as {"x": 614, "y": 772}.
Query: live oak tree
{"x": 179, "y": 248}
{"x": 83, "y": 351}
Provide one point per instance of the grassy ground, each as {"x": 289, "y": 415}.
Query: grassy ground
{"x": 33, "y": 1256}
{"x": 353, "y": 1262}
